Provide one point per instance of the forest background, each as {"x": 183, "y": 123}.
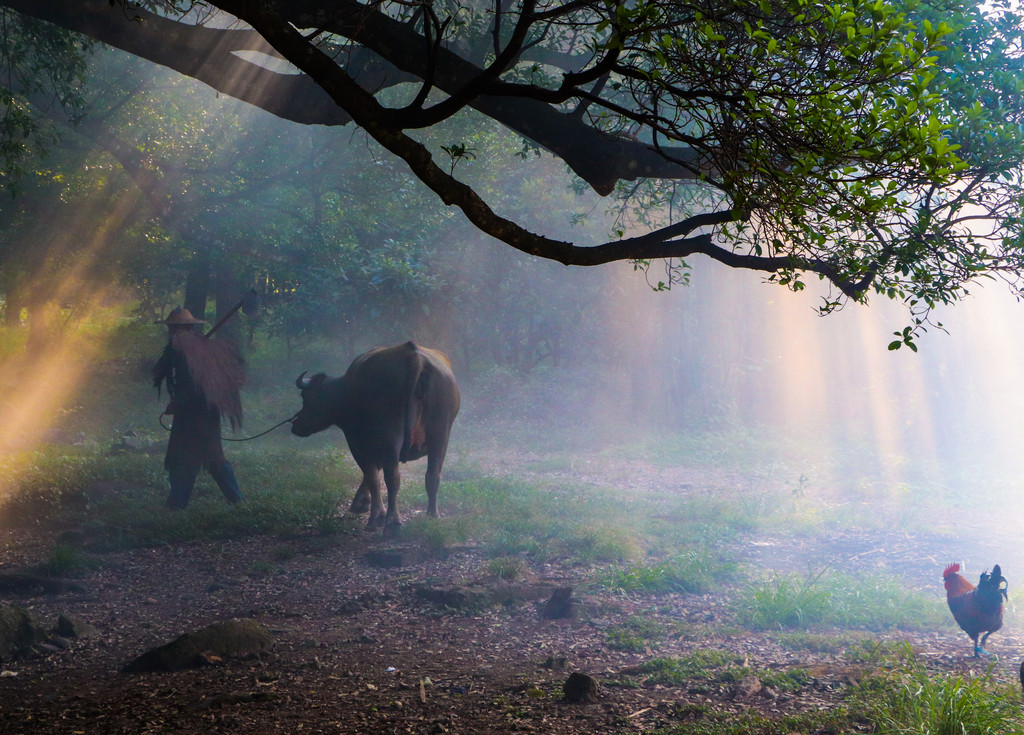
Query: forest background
{"x": 158, "y": 192}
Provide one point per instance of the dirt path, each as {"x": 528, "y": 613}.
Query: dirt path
{"x": 360, "y": 649}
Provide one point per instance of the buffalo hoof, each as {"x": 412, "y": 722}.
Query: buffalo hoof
{"x": 393, "y": 530}
{"x": 360, "y": 505}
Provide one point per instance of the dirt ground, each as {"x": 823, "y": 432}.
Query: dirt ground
{"x": 362, "y": 648}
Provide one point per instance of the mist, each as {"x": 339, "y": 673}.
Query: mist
{"x": 666, "y": 459}
{"x": 596, "y": 357}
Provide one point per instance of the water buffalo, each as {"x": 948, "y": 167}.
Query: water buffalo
{"x": 395, "y": 404}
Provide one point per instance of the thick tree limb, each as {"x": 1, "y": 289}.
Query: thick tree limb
{"x": 669, "y": 242}
{"x": 209, "y": 55}
{"x": 205, "y": 54}
{"x": 337, "y": 89}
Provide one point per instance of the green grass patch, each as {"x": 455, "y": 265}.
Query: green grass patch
{"x": 621, "y": 639}
{"x": 705, "y": 667}
{"x": 695, "y": 571}
{"x": 508, "y": 568}
{"x": 815, "y": 642}
{"x": 601, "y": 541}
{"x": 700, "y": 720}
{"x": 786, "y": 602}
{"x": 66, "y": 560}
{"x": 552, "y": 464}
{"x": 784, "y": 680}
{"x": 540, "y": 522}
{"x": 635, "y": 635}
{"x": 883, "y": 602}
{"x": 702, "y": 664}
{"x": 872, "y": 602}
{"x": 915, "y": 701}
{"x": 437, "y": 534}
{"x": 117, "y": 498}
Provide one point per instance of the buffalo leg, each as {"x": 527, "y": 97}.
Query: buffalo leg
{"x": 437, "y": 448}
{"x": 392, "y": 479}
{"x": 433, "y": 482}
{"x": 370, "y": 486}
{"x": 361, "y": 501}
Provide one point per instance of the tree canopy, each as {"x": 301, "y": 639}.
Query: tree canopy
{"x": 875, "y": 145}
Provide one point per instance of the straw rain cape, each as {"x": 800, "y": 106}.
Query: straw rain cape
{"x": 217, "y": 369}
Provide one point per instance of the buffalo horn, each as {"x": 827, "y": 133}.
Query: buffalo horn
{"x": 302, "y": 381}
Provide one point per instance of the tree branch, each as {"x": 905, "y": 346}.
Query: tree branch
{"x": 208, "y": 55}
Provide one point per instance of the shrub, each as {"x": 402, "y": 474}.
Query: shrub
{"x": 786, "y": 602}
{"x": 694, "y": 571}
{"x": 920, "y": 703}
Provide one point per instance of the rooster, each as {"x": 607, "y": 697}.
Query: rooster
{"x": 978, "y": 609}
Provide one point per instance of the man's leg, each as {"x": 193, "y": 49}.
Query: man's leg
{"x": 224, "y": 476}
{"x": 182, "y": 478}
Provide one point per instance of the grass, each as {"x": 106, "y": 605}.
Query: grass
{"x": 713, "y": 666}
{"x": 908, "y": 700}
{"x": 914, "y": 701}
{"x": 533, "y": 520}
{"x": 636, "y": 635}
{"x": 786, "y": 602}
{"x": 695, "y": 571}
{"x": 702, "y": 664}
{"x": 437, "y": 534}
{"x": 855, "y": 646}
{"x": 882, "y": 602}
{"x": 117, "y": 498}
{"x": 704, "y": 721}
{"x": 869, "y": 602}
{"x": 508, "y": 568}
{"x": 66, "y": 560}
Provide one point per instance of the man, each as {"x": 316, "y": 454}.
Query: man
{"x": 203, "y": 379}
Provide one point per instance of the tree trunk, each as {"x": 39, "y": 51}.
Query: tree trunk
{"x": 229, "y": 293}
{"x": 197, "y": 285}
{"x": 13, "y": 303}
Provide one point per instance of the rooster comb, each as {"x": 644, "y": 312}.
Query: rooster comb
{"x": 951, "y": 569}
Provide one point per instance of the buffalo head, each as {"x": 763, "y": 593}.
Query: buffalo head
{"x": 318, "y": 410}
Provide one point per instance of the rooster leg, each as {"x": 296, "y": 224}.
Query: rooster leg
{"x": 980, "y": 648}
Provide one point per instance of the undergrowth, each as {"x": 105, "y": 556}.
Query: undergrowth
{"x": 871, "y": 602}
{"x": 694, "y": 571}
{"x": 908, "y": 699}
{"x": 915, "y": 701}
{"x": 116, "y": 498}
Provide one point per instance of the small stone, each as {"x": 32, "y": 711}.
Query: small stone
{"x": 61, "y": 643}
{"x": 748, "y": 686}
{"x": 69, "y": 626}
{"x": 208, "y": 646}
{"x": 561, "y": 605}
{"x": 580, "y": 687}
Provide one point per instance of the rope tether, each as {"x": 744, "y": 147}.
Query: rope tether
{"x": 244, "y": 438}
